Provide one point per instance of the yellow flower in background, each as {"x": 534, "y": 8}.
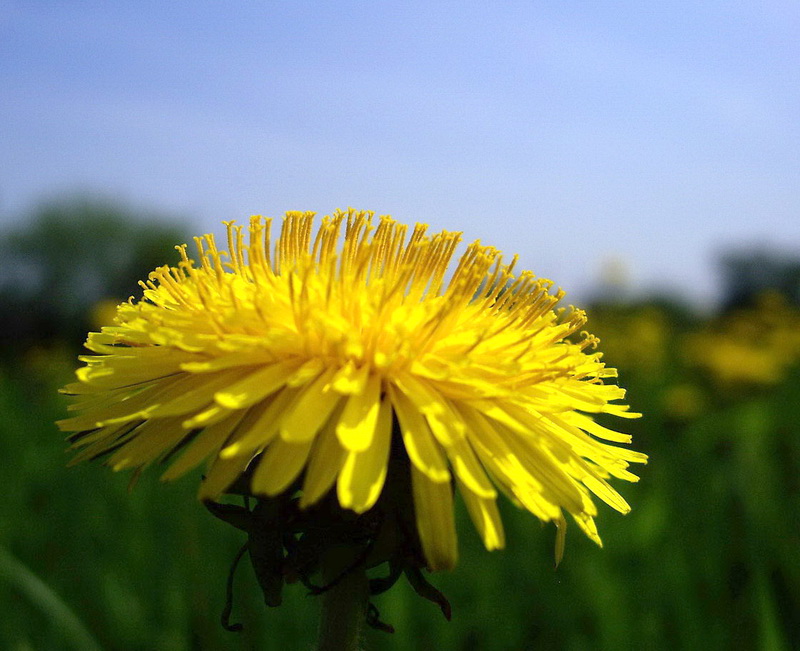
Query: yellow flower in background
{"x": 683, "y": 401}
{"x": 103, "y": 313}
{"x": 297, "y": 361}
{"x": 731, "y": 360}
{"x": 751, "y": 347}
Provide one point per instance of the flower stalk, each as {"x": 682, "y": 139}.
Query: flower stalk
{"x": 344, "y": 604}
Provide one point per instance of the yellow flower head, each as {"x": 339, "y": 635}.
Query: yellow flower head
{"x": 296, "y": 363}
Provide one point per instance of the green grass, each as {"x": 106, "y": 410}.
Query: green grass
{"x": 706, "y": 560}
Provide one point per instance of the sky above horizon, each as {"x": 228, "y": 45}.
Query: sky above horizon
{"x": 572, "y": 133}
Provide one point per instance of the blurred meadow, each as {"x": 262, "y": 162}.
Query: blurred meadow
{"x": 661, "y": 138}
{"x": 707, "y": 558}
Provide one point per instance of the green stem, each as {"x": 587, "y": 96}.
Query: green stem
{"x": 344, "y": 606}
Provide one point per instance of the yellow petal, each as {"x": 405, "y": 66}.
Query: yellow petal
{"x": 153, "y": 438}
{"x": 506, "y": 466}
{"x": 469, "y": 470}
{"x": 557, "y": 486}
{"x": 445, "y": 425}
{"x": 104, "y": 440}
{"x": 133, "y": 405}
{"x": 485, "y": 516}
{"x": 418, "y": 391}
{"x": 255, "y": 387}
{"x": 349, "y": 379}
{"x": 603, "y": 490}
{"x": 325, "y": 462}
{"x": 307, "y": 372}
{"x": 312, "y": 407}
{"x": 207, "y": 417}
{"x": 208, "y": 442}
{"x": 260, "y": 425}
{"x": 221, "y": 474}
{"x": 588, "y": 424}
{"x": 433, "y": 504}
{"x": 423, "y": 450}
{"x": 279, "y": 467}
{"x": 561, "y": 538}
{"x": 231, "y": 360}
{"x": 192, "y": 393}
{"x": 142, "y": 365}
{"x": 364, "y": 473}
{"x": 356, "y": 427}
{"x": 588, "y": 526}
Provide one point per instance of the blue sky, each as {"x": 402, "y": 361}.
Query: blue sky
{"x": 570, "y": 132}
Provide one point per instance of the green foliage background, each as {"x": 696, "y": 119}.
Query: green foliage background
{"x": 707, "y": 558}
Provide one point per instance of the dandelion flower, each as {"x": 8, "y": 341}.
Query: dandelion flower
{"x": 309, "y": 363}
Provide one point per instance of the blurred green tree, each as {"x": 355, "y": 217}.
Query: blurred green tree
{"x": 749, "y": 273}
{"x": 59, "y": 262}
